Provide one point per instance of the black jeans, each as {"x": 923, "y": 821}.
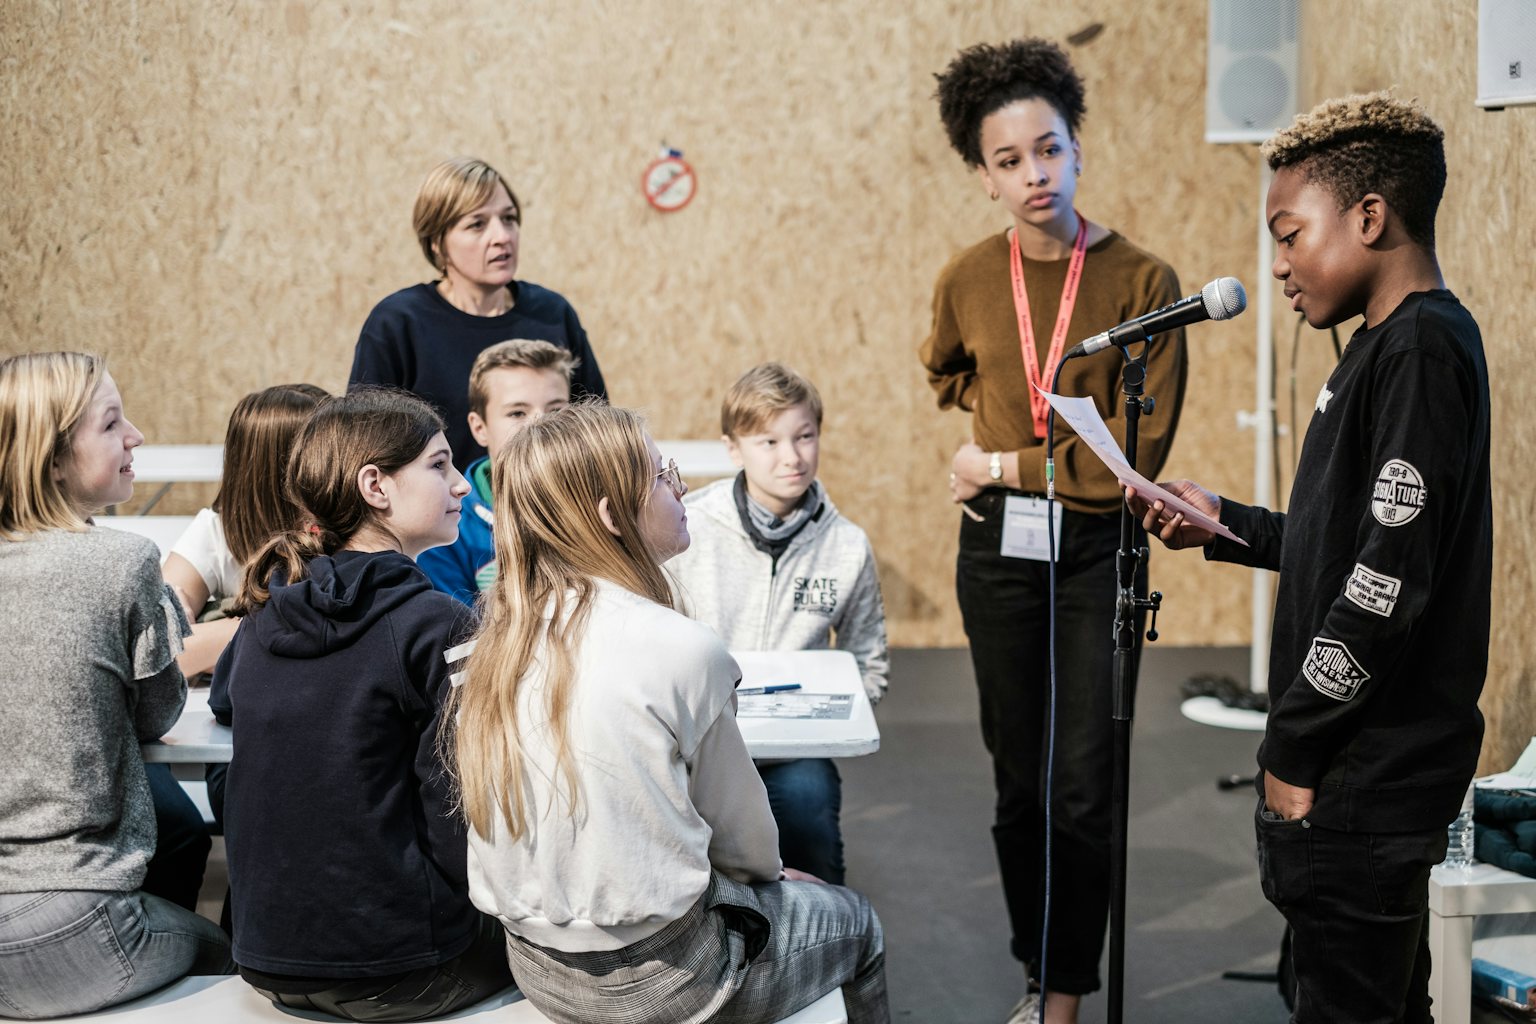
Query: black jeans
{"x": 182, "y": 845}
{"x": 1358, "y": 907}
{"x": 475, "y": 974}
{"x": 1005, "y": 605}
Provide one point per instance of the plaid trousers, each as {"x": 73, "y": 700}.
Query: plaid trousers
{"x": 743, "y": 954}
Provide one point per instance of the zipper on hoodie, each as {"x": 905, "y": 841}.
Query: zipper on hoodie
{"x": 773, "y": 586}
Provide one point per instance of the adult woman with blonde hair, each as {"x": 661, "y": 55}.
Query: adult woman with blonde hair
{"x": 88, "y": 671}
{"x": 618, "y": 827}
{"x": 425, "y": 338}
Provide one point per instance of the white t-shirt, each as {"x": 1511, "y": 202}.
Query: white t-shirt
{"x": 202, "y": 544}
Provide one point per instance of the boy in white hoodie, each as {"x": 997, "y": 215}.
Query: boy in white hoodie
{"x": 773, "y": 566}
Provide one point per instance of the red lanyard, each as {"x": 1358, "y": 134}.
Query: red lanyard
{"x": 1038, "y": 405}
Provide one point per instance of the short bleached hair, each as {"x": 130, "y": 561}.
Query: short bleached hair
{"x": 1371, "y": 142}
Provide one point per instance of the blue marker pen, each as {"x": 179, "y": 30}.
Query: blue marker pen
{"x": 780, "y": 688}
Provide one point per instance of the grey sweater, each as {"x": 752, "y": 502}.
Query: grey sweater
{"x": 88, "y": 641}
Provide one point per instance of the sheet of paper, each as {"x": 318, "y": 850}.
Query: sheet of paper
{"x": 1081, "y": 415}
{"x": 794, "y": 704}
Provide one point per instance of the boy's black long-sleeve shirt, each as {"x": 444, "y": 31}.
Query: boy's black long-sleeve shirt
{"x": 1380, "y": 642}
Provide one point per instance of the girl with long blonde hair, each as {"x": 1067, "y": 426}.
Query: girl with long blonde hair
{"x": 88, "y": 646}
{"x": 618, "y": 828}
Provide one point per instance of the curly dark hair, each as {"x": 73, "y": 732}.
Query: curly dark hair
{"x": 1366, "y": 143}
{"x": 985, "y": 78}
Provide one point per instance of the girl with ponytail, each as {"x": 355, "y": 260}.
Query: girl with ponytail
{"x": 618, "y": 827}
{"x": 346, "y": 863}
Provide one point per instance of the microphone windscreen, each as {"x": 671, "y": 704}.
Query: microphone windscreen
{"x": 1224, "y": 298}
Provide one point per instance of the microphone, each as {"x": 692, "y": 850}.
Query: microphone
{"x": 1222, "y": 299}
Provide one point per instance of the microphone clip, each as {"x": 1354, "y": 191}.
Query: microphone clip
{"x": 1131, "y": 333}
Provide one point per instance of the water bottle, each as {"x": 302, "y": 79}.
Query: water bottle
{"x": 1461, "y": 836}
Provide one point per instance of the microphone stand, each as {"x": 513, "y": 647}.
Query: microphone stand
{"x": 1128, "y": 605}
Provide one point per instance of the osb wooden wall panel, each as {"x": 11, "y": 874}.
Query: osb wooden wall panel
{"x": 215, "y": 198}
{"x": 1484, "y": 232}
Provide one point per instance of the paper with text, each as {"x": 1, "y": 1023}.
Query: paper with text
{"x": 1081, "y": 415}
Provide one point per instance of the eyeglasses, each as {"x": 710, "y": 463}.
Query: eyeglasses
{"x": 673, "y": 478}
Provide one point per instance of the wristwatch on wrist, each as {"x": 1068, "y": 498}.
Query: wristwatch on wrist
{"x": 995, "y": 468}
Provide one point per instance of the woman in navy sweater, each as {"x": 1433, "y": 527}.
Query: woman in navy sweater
{"x": 425, "y": 338}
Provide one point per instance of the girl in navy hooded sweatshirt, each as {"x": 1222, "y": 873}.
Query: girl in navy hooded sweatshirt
{"x": 346, "y": 863}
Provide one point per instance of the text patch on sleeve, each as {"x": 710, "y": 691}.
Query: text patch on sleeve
{"x": 1373, "y": 591}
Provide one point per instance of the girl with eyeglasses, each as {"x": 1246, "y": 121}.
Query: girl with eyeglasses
{"x": 617, "y": 825}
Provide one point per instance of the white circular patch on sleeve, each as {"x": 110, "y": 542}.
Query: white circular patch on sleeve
{"x": 1399, "y": 494}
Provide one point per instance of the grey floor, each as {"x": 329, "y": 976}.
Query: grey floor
{"x": 916, "y": 824}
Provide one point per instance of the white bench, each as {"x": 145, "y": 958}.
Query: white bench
{"x": 163, "y": 530}
{"x": 204, "y": 463}
{"x": 229, "y": 1000}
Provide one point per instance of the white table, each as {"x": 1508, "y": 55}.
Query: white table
{"x": 701, "y": 460}
{"x": 816, "y": 672}
{"x": 195, "y": 738}
{"x": 204, "y": 463}
{"x": 198, "y": 739}
{"x": 178, "y": 463}
{"x": 1456, "y": 898}
{"x": 163, "y": 530}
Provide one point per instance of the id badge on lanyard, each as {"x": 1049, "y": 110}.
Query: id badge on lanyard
{"x": 1024, "y": 528}
{"x": 1038, "y": 406}
{"x": 1025, "y": 521}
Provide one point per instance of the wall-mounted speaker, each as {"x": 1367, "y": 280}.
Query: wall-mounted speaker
{"x": 1251, "y": 69}
{"x": 1506, "y": 52}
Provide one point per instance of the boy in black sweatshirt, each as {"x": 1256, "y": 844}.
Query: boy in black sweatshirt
{"x": 1380, "y": 641}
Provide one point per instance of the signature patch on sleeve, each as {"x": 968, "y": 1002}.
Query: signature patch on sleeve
{"x": 1332, "y": 670}
{"x": 1398, "y": 496}
{"x": 1373, "y": 591}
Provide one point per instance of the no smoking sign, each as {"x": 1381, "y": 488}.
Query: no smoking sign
{"x": 669, "y": 182}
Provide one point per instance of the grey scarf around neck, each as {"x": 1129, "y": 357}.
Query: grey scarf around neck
{"x": 768, "y": 532}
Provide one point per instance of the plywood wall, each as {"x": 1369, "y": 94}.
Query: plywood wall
{"x": 216, "y": 197}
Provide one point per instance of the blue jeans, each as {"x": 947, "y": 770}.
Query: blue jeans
{"x": 73, "y": 952}
{"x": 807, "y": 800}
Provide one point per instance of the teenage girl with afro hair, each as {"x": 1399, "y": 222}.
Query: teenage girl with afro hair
{"x": 1003, "y": 311}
